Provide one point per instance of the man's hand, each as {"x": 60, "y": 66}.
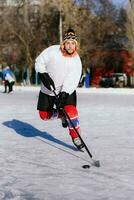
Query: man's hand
{"x": 47, "y": 81}
{"x": 62, "y": 99}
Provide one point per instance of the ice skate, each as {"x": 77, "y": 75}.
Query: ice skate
{"x": 77, "y": 142}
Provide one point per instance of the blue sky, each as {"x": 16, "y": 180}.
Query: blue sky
{"x": 120, "y": 2}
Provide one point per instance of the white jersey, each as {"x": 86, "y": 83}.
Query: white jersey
{"x": 64, "y": 71}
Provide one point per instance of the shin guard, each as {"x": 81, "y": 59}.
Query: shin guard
{"x": 73, "y": 114}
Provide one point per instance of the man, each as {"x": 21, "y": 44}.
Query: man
{"x": 59, "y": 68}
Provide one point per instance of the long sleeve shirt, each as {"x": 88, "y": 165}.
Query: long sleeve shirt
{"x": 64, "y": 71}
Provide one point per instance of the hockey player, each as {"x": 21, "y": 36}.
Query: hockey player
{"x": 59, "y": 67}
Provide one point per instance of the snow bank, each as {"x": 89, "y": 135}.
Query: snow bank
{"x": 80, "y": 90}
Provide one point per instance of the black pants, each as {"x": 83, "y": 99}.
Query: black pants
{"x": 46, "y": 102}
{"x": 9, "y": 85}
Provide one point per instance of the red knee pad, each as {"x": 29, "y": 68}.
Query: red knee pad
{"x": 71, "y": 111}
{"x": 45, "y": 115}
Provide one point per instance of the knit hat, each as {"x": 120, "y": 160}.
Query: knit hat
{"x": 70, "y": 35}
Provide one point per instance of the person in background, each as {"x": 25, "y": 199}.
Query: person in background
{"x": 8, "y": 79}
{"x": 24, "y": 77}
{"x": 59, "y": 68}
{"x": 82, "y": 79}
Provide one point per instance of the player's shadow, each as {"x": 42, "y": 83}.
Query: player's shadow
{"x": 27, "y": 130}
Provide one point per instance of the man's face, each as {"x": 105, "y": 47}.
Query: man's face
{"x": 70, "y": 46}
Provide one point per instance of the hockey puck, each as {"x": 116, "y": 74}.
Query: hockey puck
{"x": 86, "y": 166}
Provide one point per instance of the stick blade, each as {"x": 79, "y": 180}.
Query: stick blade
{"x": 96, "y": 163}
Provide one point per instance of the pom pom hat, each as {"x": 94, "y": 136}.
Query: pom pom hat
{"x": 70, "y": 35}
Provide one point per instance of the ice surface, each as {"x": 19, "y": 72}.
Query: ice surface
{"x": 39, "y": 162}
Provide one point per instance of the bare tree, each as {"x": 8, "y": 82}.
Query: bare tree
{"x": 28, "y": 27}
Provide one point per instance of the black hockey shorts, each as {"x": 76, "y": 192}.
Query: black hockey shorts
{"x": 46, "y": 102}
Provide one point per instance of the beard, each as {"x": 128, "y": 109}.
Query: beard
{"x": 69, "y": 51}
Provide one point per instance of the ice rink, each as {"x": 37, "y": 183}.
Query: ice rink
{"x": 38, "y": 160}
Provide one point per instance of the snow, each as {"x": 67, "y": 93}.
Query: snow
{"x": 39, "y": 162}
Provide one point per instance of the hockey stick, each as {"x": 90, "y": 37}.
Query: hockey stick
{"x": 95, "y": 162}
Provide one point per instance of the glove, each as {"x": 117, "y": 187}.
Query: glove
{"x": 46, "y": 80}
{"x": 62, "y": 99}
